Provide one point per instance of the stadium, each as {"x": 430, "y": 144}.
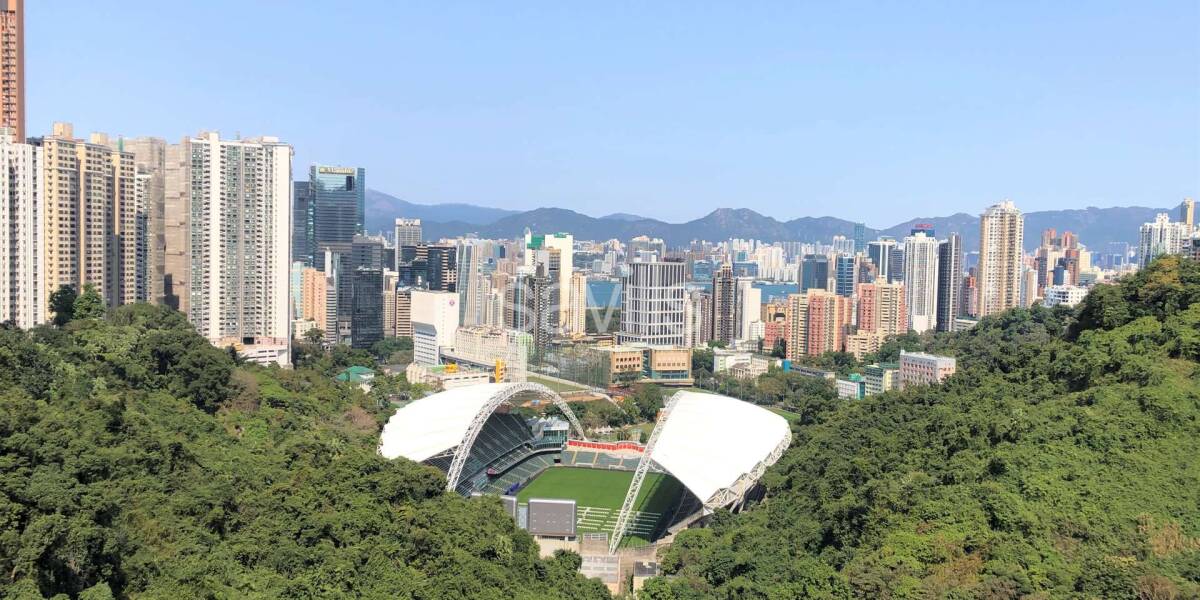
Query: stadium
{"x": 706, "y": 452}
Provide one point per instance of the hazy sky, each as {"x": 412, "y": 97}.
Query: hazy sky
{"x": 874, "y": 112}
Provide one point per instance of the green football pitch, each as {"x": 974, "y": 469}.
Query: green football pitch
{"x": 599, "y": 493}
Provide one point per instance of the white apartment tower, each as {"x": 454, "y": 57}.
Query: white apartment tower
{"x": 1161, "y": 237}
{"x": 920, "y": 281}
{"x": 577, "y": 312}
{"x": 652, "y": 303}
{"x": 240, "y": 225}
{"x": 407, "y": 233}
{"x": 1001, "y": 230}
{"x": 22, "y": 217}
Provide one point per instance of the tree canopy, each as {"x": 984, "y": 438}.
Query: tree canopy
{"x": 138, "y": 461}
{"x": 1059, "y": 462}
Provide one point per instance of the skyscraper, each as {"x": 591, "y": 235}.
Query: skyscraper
{"x": 724, "y": 305}
{"x": 1187, "y": 214}
{"x": 950, "y": 277}
{"x": 407, "y": 233}
{"x": 12, "y": 67}
{"x": 21, "y": 231}
{"x": 1160, "y": 237}
{"x": 845, "y": 275}
{"x": 749, "y": 308}
{"x": 577, "y": 312}
{"x": 149, "y": 158}
{"x": 920, "y": 281}
{"x": 652, "y": 303}
{"x": 560, "y": 275}
{"x": 814, "y": 272}
{"x": 816, "y": 323}
{"x": 882, "y": 308}
{"x": 91, "y": 216}
{"x": 303, "y": 248}
{"x": 366, "y": 317}
{"x": 880, "y": 253}
{"x": 335, "y": 204}
{"x": 240, "y": 243}
{"x": 1001, "y": 230}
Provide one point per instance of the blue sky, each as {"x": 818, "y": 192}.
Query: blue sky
{"x": 875, "y": 112}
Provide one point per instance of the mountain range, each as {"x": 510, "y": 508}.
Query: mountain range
{"x": 1096, "y": 227}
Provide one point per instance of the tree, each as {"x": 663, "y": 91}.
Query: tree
{"x": 314, "y": 336}
{"x": 89, "y": 304}
{"x": 62, "y": 304}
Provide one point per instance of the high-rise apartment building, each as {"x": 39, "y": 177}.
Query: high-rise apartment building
{"x": 22, "y": 214}
{"x": 1160, "y": 237}
{"x": 91, "y": 226}
{"x": 816, "y": 323}
{"x": 882, "y": 308}
{"x": 560, "y": 275}
{"x": 749, "y": 309}
{"x": 1187, "y": 214}
{"x": 920, "y": 281}
{"x": 950, "y": 279}
{"x": 149, "y": 159}
{"x": 724, "y": 305}
{"x": 652, "y": 303}
{"x": 998, "y": 276}
{"x": 577, "y": 312}
{"x": 12, "y": 67}
{"x": 240, "y": 243}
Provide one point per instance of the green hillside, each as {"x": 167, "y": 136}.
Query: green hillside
{"x": 1060, "y": 462}
{"x": 137, "y": 461}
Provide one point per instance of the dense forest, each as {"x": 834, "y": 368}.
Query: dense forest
{"x": 1059, "y": 462}
{"x": 138, "y": 461}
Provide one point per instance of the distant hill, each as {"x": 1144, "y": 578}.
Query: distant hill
{"x": 1096, "y": 227}
{"x": 382, "y": 209}
{"x": 622, "y": 217}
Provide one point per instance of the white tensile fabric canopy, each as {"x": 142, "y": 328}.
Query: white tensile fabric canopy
{"x": 710, "y": 442}
{"x": 435, "y": 423}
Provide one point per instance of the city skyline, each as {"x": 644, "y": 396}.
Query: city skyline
{"x": 951, "y": 118}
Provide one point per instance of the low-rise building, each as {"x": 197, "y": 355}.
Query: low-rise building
{"x": 851, "y": 388}
{"x": 808, "y": 371}
{"x": 919, "y": 368}
{"x": 445, "y": 377}
{"x": 724, "y": 360}
{"x": 864, "y": 342}
{"x": 758, "y": 365}
{"x": 880, "y": 378}
{"x": 1067, "y": 295}
{"x": 629, "y": 363}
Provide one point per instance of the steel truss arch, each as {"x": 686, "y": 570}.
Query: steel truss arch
{"x": 639, "y": 476}
{"x": 463, "y": 450}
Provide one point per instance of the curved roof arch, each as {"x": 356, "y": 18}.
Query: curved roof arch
{"x": 711, "y": 443}
{"x": 451, "y": 420}
{"x": 716, "y": 446}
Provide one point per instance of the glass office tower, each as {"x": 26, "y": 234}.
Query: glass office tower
{"x": 337, "y": 196}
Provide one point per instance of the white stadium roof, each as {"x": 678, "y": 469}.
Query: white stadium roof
{"x": 434, "y": 424}
{"x": 712, "y": 443}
